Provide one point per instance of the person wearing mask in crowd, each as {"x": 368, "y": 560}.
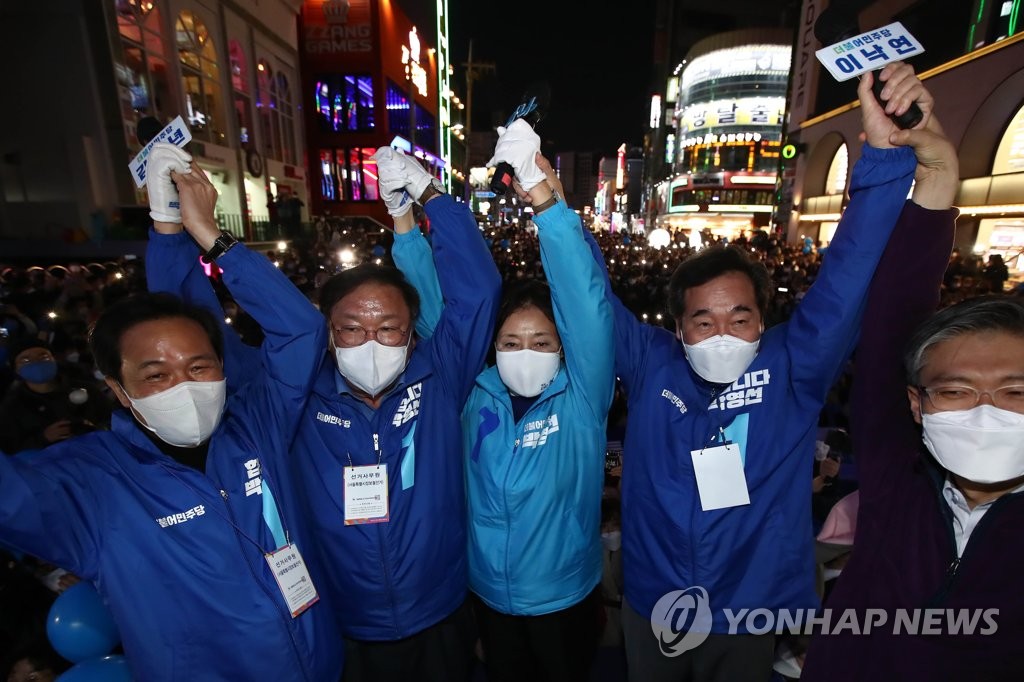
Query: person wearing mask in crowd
{"x": 44, "y": 406}
{"x": 379, "y": 451}
{"x": 720, "y": 436}
{"x": 534, "y": 441}
{"x": 183, "y": 515}
{"x": 941, "y": 510}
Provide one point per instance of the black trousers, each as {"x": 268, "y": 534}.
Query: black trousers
{"x": 554, "y": 647}
{"x": 441, "y": 653}
{"x": 720, "y": 658}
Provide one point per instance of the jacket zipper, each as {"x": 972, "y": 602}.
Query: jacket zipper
{"x": 273, "y": 598}
{"x": 380, "y": 543}
{"x": 953, "y": 570}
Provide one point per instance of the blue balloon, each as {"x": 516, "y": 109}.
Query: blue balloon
{"x": 80, "y": 626}
{"x": 106, "y": 669}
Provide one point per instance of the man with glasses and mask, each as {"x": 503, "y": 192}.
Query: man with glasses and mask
{"x": 184, "y": 515}
{"x": 941, "y": 516}
{"x": 379, "y": 450}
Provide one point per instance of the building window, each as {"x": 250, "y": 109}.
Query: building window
{"x": 287, "y": 125}
{"x": 266, "y": 105}
{"x": 344, "y": 103}
{"x": 240, "y": 88}
{"x": 835, "y": 182}
{"x": 200, "y": 78}
{"x": 348, "y": 174}
{"x": 397, "y": 104}
{"x": 143, "y": 82}
{"x": 426, "y": 129}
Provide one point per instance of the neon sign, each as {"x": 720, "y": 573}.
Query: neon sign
{"x": 411, "y": 58}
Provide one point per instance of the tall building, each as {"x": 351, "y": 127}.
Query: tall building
{"x": 727, "y": 127}
{"x": 372, "y": 78}
{"x": 974, "y": 65}
{"x": 229, "y": 70}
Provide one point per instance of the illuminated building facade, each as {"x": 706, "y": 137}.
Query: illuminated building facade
{"x": 727, "y": 128}
{"x": 230, "y": 72}
{"x": 974, "y": 66}
{"x": 371, "y": 78}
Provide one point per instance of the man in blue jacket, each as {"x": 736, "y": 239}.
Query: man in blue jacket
{"x": 722, "y": 416}
{"x": 183, "y": 515}
{"x": 379, "y": 450}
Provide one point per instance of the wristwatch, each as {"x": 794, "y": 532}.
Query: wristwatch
{"x": 221, "y": 245}
{"x": 435, "y": 187}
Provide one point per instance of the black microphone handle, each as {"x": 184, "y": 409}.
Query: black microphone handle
{"x": 501, "y": 182}
{"x": 909, "y": 118}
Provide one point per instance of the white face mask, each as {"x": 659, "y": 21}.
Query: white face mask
{"x": 184, "y": 415}
{"x": 527, "y": 372}
{"x": 372, "y": 367}
{"x": 612, "y": 540}
{"x": 721, "y": 359}
{"x": 984, "y": 444}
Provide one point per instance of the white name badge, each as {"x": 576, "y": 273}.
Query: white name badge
{"x": 868, "y": 51}
{"x": 720, "y": 479}
{"x": 292, "y": 578}
{"x": 175, "y": 132}
{"x": 366, "y": 494}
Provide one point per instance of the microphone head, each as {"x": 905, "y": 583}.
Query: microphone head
{"x": 837, "y": 22}
{"x": 147, "y": 128}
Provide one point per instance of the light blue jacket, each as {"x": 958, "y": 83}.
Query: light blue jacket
{"x": 534, "y": 487}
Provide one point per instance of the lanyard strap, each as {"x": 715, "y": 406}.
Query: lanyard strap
{"x": 271, "y": 516}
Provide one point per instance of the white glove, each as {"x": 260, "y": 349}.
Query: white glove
{"x": 163, "y": 195}
{"x": 407, "y": 173}
{"x": 518, "y": 145}
{"x": 391, "y": 181}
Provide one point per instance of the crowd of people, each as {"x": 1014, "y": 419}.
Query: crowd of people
{"x": 405, "y": 455}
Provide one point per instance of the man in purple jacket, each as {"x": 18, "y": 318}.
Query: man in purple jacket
{"x": 931, "y": 592}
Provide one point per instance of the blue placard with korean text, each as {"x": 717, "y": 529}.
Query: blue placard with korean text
{"x": 869, "y": 51}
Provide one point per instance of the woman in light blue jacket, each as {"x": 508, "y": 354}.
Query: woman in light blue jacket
{"x": 534, "y": 442}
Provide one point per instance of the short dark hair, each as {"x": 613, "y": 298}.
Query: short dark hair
{"x": 980, "y": 314}
{"x": 345, "y": 282}
{"x": 523, "y": 294}
{"x": 712, "y": 262}
{"x": 118, "y": 318}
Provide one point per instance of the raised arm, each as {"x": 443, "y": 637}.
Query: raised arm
{"x": 172, "y": 262}
{"x": 411, "y": 251}
{"x": 823, "y": 329}
{"x": 583, "y": 314}
{"x": 295, "y": 336}
{"x": 468, "y": 279}
{"x": 913, "y": 264}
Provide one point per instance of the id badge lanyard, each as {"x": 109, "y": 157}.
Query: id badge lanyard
{"x": 365, "y": 490}
{"x": 284, "y": 560}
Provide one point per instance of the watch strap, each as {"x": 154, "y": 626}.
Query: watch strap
{"x": 221, "y": 245}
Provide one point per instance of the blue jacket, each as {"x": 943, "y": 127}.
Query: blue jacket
{"x": 391, "y": 580}
{"x": 534, "y": 487}
{"x": 397, "y": 578}
{"x": 758, "y": 555}
{"x": 178, "y": 554}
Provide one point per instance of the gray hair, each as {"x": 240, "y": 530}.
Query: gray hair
{"x": 981, "y": 314}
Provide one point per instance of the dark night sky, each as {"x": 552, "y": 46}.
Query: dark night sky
{"x": 595, "y": 56}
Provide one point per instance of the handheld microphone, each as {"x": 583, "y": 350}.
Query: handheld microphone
{"x": 147, "y": 128}
{"x": 838, "y": 23}
{"x": 532, "y": 108}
